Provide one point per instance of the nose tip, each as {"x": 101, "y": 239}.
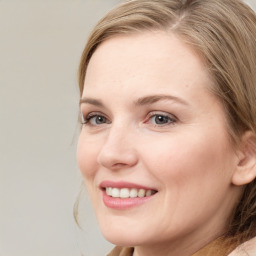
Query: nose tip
{"x": 116, "y": 157}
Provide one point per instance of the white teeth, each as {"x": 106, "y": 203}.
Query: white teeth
{"x": 133, "y": 192}
{"x": 141, "y": 193}
{"x": 128, "y": 193}
{"x": 124, "y": 193}
{"x": 149, "y": 193}
{"x": 115, "y": 192}
{"x": 109, "y": 191}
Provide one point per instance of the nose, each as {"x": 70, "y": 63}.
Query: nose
{"x": 118, "y": 151}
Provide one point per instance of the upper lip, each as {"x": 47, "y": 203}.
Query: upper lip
{"x": 123, "y": 184}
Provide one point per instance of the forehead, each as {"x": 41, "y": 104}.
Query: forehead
{"x": 145, "y": 59}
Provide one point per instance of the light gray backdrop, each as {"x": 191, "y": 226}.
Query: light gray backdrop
{"x": 40, "y": 46}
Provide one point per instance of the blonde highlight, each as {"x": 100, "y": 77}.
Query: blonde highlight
{"x": 223, "y": 33}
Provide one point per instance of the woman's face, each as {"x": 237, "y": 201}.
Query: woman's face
{"x": 154, "y": 149}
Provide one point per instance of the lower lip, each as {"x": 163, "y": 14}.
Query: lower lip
{"x": 124, "y": 203}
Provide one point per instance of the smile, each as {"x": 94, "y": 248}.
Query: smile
{"x": 125, "y": 195}
{"x": 129, "y": 192}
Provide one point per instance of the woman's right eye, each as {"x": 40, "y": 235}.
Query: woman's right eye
{"x": 94, "y": 119}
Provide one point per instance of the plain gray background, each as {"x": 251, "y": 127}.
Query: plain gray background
{"x": 40, "y": 45}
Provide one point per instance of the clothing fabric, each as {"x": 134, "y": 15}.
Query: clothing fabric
{"x": 246, "y": 249}
{"x": 121, "y": 251}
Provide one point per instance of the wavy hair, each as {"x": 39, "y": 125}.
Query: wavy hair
{"x": 223, "y": 33}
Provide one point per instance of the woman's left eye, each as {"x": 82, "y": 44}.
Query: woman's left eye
{"x": 161, "y": 119}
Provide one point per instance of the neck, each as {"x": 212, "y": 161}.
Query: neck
{"x": 218, "y": 247}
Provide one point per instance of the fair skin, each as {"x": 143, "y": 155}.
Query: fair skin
{"x": 151, "y": 121}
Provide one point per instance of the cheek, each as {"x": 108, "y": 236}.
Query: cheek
{"x": 191, "y": 174}
{"x": 87, "y": 157}
{"x": 188, "y": 160}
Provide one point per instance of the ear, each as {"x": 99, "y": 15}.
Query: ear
{"x": 246, "y": 167}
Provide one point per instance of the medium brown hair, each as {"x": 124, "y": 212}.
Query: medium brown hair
{"x": 223, "y": 33}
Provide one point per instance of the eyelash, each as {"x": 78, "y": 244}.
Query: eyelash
{"x": 86, "y": 120}
{"x": 170, "y": 119}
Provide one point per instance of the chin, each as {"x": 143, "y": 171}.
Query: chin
{"x": 123, "y": 235}
{"x": 125, "y": 239}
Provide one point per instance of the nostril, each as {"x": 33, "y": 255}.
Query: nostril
{"x": 119, "y": 165}
{"x": 117, "y": 158}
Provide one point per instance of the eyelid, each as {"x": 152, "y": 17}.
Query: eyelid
{"x": 162, "y": 113}
{"x": 82, "y": 119}
{"x": 85, "y": 118}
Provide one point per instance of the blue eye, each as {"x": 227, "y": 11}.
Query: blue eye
{"x": 95, "y": 119}
{"x": 162, "y": 119}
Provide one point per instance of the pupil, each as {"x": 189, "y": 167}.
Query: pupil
{"x": 161, "y": 119}
{"x": 100, "y": 120}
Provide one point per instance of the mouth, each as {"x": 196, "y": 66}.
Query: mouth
{"x": 123, "y": 195}
{"x": 129, "y": 192}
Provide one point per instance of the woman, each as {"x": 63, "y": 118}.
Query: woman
{"x": 167, "y": 146}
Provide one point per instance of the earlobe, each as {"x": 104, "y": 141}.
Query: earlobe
{"x": 246, "y": 167}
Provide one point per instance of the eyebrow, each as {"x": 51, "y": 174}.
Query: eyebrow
{"x": 91, "y": 101}
{"x": 147, "y": 100}
{"x": 155, "y": 98}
